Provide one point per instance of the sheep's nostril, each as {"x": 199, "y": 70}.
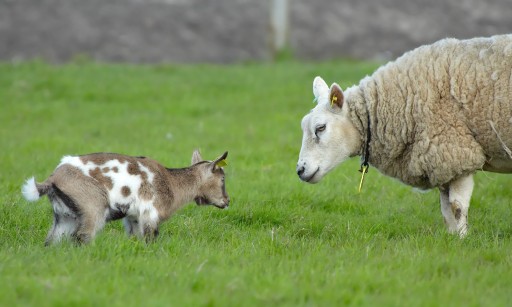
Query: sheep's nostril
{"x": 300, "y": 170}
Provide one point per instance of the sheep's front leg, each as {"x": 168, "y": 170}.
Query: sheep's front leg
{"x": 455, "y": 198}
{"x": 449, "y": 217}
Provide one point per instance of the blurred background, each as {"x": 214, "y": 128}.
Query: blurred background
{"x": 230, "y": 31}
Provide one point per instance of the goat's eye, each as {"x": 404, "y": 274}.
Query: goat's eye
{"x": 319, "y": 129}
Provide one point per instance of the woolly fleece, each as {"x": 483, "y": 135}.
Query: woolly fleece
{"x": 432, "y": 111}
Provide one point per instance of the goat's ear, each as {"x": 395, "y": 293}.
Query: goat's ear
{"x": 336, "y": 96}
{"x": 220, "y": 161}
{"x": 196, "y": 157}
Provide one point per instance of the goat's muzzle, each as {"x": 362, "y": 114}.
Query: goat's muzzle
{"x": 224, "y": 204}
{"x": 200, "y": 200}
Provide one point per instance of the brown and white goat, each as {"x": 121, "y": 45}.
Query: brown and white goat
{"x": 88, "y": 191}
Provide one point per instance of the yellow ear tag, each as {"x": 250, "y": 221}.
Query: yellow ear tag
{"x": 222, "y": 163}
{"x": 334, "y": 98}
{"x": 364, "y": 170}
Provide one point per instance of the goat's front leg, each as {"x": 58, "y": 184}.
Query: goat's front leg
{"x": 150, "y": 232}
{"x": 131, "y": 225}
{"x": 455, "y": 198}
{"x": 148, "y": 226}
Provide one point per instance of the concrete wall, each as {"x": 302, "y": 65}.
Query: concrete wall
{"x": 387, "y": 28}
{"x": 134, "y": 30}
{"x": 225, "y": 31}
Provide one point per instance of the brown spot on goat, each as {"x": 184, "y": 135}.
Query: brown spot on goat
{"x": 115, "y": 169}
{"x": 106, "y": 169}
{"x": 125, "y": 191}
{"x": 145, "y": 191}
{"x": 133, "y": 168}
{"x": 98, "y": 175}
{"x": 102, "y": 158}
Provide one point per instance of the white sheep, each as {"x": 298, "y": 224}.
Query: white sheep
{"x": 431, "y": 119}
{"x": 89, "y": 190}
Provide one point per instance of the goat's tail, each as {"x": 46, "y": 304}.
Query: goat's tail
{"x": 32, "y": 190}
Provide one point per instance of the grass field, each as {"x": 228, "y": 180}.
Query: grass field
{"x": 281, "y": 243}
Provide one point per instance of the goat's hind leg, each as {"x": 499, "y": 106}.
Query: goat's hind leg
{"x": 51, "y": 234}
{"x": 63, "y": 227}
{"x": 90, "y": 224}
{"x": 91, "y": 209}
{"x": 65, "y": 223}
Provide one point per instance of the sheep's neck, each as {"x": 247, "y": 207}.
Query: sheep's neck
{"x": 360, "y": 116}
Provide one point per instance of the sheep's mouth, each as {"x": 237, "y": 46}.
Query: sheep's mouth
{"x": 310, "y": 178}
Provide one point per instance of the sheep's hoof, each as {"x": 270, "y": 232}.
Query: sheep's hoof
{"x": 463, "y": 231}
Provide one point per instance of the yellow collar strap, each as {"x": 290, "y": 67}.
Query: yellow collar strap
{"x": 363, "y": 170}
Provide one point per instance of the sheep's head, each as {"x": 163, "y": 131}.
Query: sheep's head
{"x": 329, "y": 137}
{"x": 212, "y": 188}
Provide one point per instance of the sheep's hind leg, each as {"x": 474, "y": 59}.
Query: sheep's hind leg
{"x": 455, "y": 204}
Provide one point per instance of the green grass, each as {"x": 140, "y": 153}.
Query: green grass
{"x": 281, "y": 243}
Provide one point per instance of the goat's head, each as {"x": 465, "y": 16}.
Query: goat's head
{"x": 212, "y": 188}
{"x": 329, "y": 136}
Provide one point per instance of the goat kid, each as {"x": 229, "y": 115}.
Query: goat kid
{"x": 89, "y": 190}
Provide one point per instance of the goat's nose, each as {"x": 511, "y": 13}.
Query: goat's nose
{"x": 300, "y": 170}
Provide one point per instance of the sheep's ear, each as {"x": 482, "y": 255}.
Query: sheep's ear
{"x": 336, "y": 96}
{"x": 220, "y": 161}
{"x": 196, "y": 157}
{"x": 320, "y": 89}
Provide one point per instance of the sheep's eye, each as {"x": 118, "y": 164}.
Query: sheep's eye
{"x": 319, "y": 129}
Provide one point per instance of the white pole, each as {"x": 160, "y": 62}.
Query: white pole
{"x": 279, "y": 24}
